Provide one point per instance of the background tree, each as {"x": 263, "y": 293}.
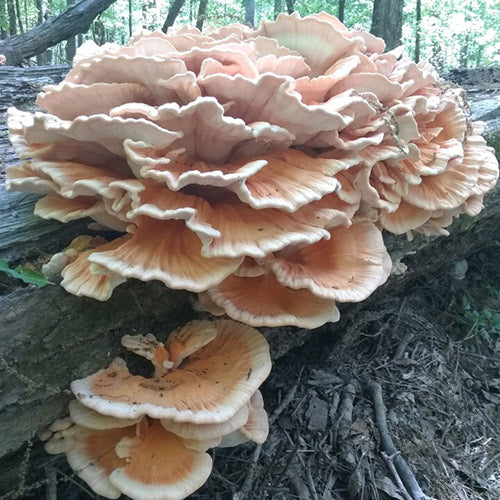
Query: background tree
{"x": 250, "y": 12}
{"x": 418, "y": 20}
{"x": 71, "y": 41}
{"x": 387, "y": 21}
{"x": 11, "y": 10}
{"x": 452, "y": 34}
{"x": 175, "y": 8}
{"x": 19, "y": 16}
{"x": 278, "y": 7}
{"x": 202, "y": 14}
{"x": 341, "y": 10}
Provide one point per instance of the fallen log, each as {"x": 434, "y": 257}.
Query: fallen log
{"x": 50, "y": 338}
{"x": 75, "y": 19}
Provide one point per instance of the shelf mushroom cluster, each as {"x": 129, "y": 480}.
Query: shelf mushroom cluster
{"x": 254, "y": 167}
{"x": 147, "y": 437}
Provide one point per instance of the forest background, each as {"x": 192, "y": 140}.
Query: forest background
{"x": 433, "y": 341}
{"x": 451, "y": 34}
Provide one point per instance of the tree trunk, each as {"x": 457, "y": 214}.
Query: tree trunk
{"x": 341, "y": 10}
{"x": 278, "y": 8}
{"x": 130, "y": 12}
{"x": 3, "y": 18}
{"x": 70, "y": 49}
{"x": 202, "y": 14}
{"x": 11, "y": 9}
{"x": 464, "y": 51}
{"x": 289, "y": 6}
{"x": 417, "y": 30}
{"x": 40, "y": 59}
{"x": 387, "y": 21}
{"x": 76, "y": 19}
{"x": 250, "y": 13}
{"x": 19, "y": 16}
{"x": 175, "y": 8}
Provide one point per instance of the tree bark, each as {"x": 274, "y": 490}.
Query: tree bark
{"x": 76, "y": 19}
{"x": 289, "y": 6}
{"x": 4, "y": 17}
{"x": 11, "y": 10}
{"x": 341, "y": 10}
{"x": 387, "y": 21}
{"x": 250, "y": 13}
{"x": 202, "y": 14}
{"x": 70, "y": 49}
{"x": 130, "y": 12}
{"x": 19, "y": 16}
{"x": 417, "y": 29}
{"x": 278, "y": 8}
{"x": 50, "y": 338}
{"x": 40, "y": 59}
{"x": 173, "y": 12}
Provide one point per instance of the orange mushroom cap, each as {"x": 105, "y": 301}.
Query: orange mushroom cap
{"x": 209, "y": 386}
{"x": 139, "y": 458}
{"x": 213, "y": 148}
{"x": 159, "y": 464}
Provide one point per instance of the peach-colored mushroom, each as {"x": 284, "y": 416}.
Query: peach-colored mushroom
{"x": 210, "y": 149}
{"x": 136, "y": 457}
{"x": 211, "y": 385}
{"x": 347, "y": 268}
{"x": 159, "y": 464}
{"x": 256, "y": 427}
{"x": 264, "y": 301}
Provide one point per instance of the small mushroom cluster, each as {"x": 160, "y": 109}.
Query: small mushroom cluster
{"x": 147, "y": 437}
{"x": 256, "y": 168}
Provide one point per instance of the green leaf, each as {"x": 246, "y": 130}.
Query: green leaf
{"x": 27, "y": 275}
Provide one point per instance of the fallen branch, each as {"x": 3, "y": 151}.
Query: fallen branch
{"x": 401, "y": 466}
{"x": 76, "y": 19}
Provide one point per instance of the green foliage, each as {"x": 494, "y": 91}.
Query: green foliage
{"x": 26, "y": 275}
{"x": 483, "y": 321}
{"x": 454, "y": 33}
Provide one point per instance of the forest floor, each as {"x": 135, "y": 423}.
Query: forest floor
{"x": 435, "y": 353}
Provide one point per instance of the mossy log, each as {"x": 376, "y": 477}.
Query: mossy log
{"x": 49, "y": 338}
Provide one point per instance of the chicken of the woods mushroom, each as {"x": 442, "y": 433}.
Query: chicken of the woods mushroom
{"x": 147, "y": 437}
{"x": 255, "y": 167}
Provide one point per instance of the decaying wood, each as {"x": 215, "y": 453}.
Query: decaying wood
{"x": 49, "y": 337}
{"x": 76, "y": 19}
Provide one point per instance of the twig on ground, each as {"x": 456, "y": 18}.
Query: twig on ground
{"x": 291, "y": 458}
{"x": 51, "y": 488}
{"x": 344, "y": 420}
{"x": 390, "y": 464}
{"x": 310, "y": 482}
{"x": 245, "y": 489}
{"x": 78, "y": 484}
{"x": 403, "y": 469}
{"x": 286, "y": 400}
{"x": 294, "y": 473}
{"x": 400, "y": 351}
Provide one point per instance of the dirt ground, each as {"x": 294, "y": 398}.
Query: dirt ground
{"x": 434, "y": 353}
